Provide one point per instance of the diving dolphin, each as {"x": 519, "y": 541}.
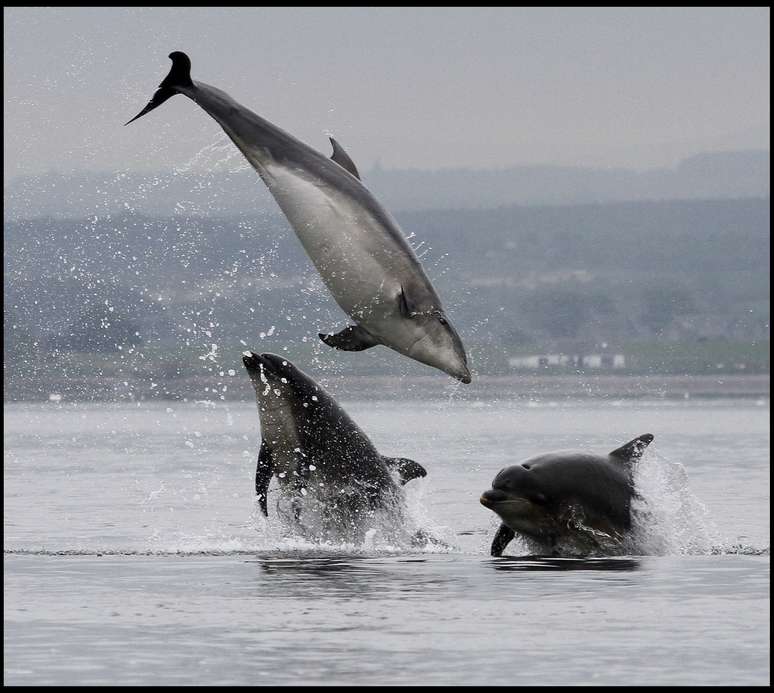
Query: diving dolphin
{"x": 331, "y": 477}
{"x": 357, "y": 247}
{"x": 567, "y": 500}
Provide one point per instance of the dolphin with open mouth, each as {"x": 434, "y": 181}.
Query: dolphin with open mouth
{"x": 357, "y": 247}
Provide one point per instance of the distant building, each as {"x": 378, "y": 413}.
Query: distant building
{"x": 526, "y": 361}
{"x": 592, "y": 360}
{"x": 613, "y": 361}
{"x": 536, "y": 361}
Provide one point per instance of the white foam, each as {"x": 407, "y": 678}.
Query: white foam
{"x": 669, "y": 519}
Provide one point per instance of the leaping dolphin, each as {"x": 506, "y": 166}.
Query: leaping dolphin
{"x": 567, "y": 501}
{"x": 356, "y": 245}
{"x": 332, "y": 480}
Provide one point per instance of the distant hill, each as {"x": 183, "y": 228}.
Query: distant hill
{"x": 709, "y": 175}
{"x": 737, "y": 174}
{"x": 677, "y": 286}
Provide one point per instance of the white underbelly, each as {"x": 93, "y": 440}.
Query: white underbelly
{"x": 279, "y": 432}
{"x": 357, "y": 261}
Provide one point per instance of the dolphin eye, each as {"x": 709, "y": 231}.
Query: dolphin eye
{"x": 443, "y": 320}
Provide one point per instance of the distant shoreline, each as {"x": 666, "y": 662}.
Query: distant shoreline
{"x": 384, "y": 387}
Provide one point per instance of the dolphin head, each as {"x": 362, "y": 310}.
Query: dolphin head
{"x": 518, "y": 498}
{"x": 437, "y": 344}
{"x": 278, "y": 383}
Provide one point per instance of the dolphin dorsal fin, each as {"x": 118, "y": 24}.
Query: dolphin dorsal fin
{"x": 343, "y": 159}
{"x": 632, "y": 451}
{"x": 407, "y": 469}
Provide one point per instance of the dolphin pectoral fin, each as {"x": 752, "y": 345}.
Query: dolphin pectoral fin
{"x": 352, "y": 338}
{"x": 263, "y": 474}
{"x": 343, "y": 159}
{"x": 407, "y": 469}
{"x": 501, "y": 540}
{"x": 632, "y": 451}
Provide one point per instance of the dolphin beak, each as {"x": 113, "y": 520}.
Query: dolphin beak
{"x": 458, "y": 369}
{"x": 251, "y": 360}
{"x": 461, "y": 372}
{"x": 492, "y": 497}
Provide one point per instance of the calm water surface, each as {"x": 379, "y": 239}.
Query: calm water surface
{"x": 133, "y": 553}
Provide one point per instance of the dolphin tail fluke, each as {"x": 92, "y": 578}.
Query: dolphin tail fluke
{"x": 632, "y": 451}
{"x": 159, "y": 98}
{"x": 179, "y": 76}
{"x": 352, "y": 338}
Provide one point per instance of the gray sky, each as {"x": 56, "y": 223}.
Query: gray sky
{"x": 410, "y": 87}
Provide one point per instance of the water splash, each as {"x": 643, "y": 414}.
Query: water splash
{"x": 401, "y": 525}
{"x": 668, "y": 518}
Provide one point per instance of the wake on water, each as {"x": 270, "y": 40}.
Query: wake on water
{"x": 668, "y": 519}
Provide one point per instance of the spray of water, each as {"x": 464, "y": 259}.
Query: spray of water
{"x": 668, "y": 518}
{"x": 401, "y": 524}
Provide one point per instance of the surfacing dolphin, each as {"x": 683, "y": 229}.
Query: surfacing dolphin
{"x": 357, "y": 247}
{"x": 567, "y": 501}
{"x": 333, "y": 483}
